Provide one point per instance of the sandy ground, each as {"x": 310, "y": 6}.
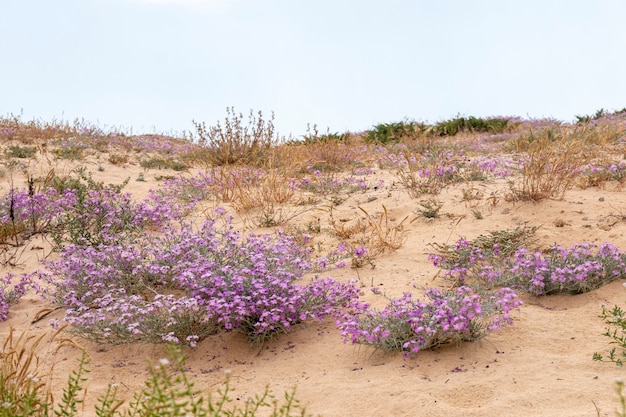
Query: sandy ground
{"x": 542, "y": 366}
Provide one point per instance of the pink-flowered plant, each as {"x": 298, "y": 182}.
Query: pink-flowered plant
{"x": 410, "y": 325}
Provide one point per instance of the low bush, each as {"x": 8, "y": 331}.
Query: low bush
{"x": 578, "y": 269}
{"x": 185, "y": 284}
{"x": 385, "y": 133}
{"x": 10, "y": 292}
{"x": 409, "y": 326}
{"x": 17, "y": 151}
{"x": 234, "y": 142}
{"x": 163, "y": 163}
{"x": 470, "y": 124}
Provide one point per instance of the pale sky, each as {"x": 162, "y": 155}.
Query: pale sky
{"x": 154, "y": 65}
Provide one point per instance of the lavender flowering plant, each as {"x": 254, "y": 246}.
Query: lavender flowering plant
{"x": 580, "y": 268}
{"x": 409, "y": 325}
{"x": 184, "y": 284}
{"x": 11, "y": 292}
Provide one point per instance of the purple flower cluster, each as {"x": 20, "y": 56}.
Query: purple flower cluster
{"x": 98, "y": 216}
{"x": 410, "y": 326}
{"x": 596, "y": 174}
{"x": 184, "y": 284}
{"x": 11, "y": 292}
{"x": 484, "y": 166}
{"x": 578, "y": 269}
{"x": 83, "y": 215}
{"x": 27, "y": 210}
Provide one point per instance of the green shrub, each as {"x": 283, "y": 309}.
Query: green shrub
{"x": 313, "y": 137}
{"x": 393, "y": 132}
{"x": 72, "y": 153}
{"x": 17, "y": 151}
{"x": 470, "y": 124}
{"x": 163, "y": 163}
{"x": 599, "y": 114}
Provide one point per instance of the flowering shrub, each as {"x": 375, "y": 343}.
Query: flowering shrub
{"x": 181, "y": 286}
{"x": 83, "y": 211}
{"x": 10, "y": 293}
{"x": 410, "y": 326}
{"x": 574, "y": 270}
{"x": 100, "y": 216}
{"x": 24, "y": 211}
{"x": 481, "y": 168}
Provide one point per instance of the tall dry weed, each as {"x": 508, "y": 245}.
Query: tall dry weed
{"x": 234, "y": 141}
{"x": 549, "y": 168}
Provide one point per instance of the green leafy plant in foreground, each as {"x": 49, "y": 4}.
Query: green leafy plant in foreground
{"x": 25, "y": 390}
{"x": 614, "y": 318}
{"x": 173, "y": 394}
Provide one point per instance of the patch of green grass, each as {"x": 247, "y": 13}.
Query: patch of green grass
{"x": 73, "y": 153}
{"x": 163, "y": 163}
{"x": 17, "y": 151}
{"x": 393, "y": 132}
{"x": 470, "y": 124}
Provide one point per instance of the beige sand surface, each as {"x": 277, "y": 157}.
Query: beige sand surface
{"x": 542, "y": 366}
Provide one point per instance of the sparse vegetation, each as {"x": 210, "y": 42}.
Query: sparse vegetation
{"x": 237, "y": 142}
{"x": 25, "y": 390}
{"x": 204, "y": 253}
{"x": 386, "y": 133}
{"x": 470, "y": 124}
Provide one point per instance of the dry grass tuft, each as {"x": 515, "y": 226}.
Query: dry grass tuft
{"x": 549, "y": 169}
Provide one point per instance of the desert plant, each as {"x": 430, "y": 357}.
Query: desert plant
{"x": 163, "y": 163}
{"x": 473, "y": 259}
{"x": 409, "y": 326}
{"x": 549, "y": 169}
{"x": 575, "y": 270}
{"x": 429, "y": 208}
{"x": 25, "y": 390}
{"x": 429, "y": 172}
{"x": 168, "y": 393}
{"x": 369, "y": 235}
{"x": 386, "y": 232}
{"x": 10, "y": 292}
{"x": 118, "y": 159}
{"x": 385, "y": 133}
{"x": 599, "y": 114}
{"x": 335, "y": 187}
{"x": 17, "y": 151}
{"x": 598, "y": 173}
{"x": 235, "y": 142}
{"x": 472, "y": 124}
{"x": 73, "y": 153}
{"x": 619, "y": 389}
{"x": 616, "y": 332}
{"x": 313, "y": 136}
{"x": 22, "y": 385}
{"x": 182, "y": 286}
